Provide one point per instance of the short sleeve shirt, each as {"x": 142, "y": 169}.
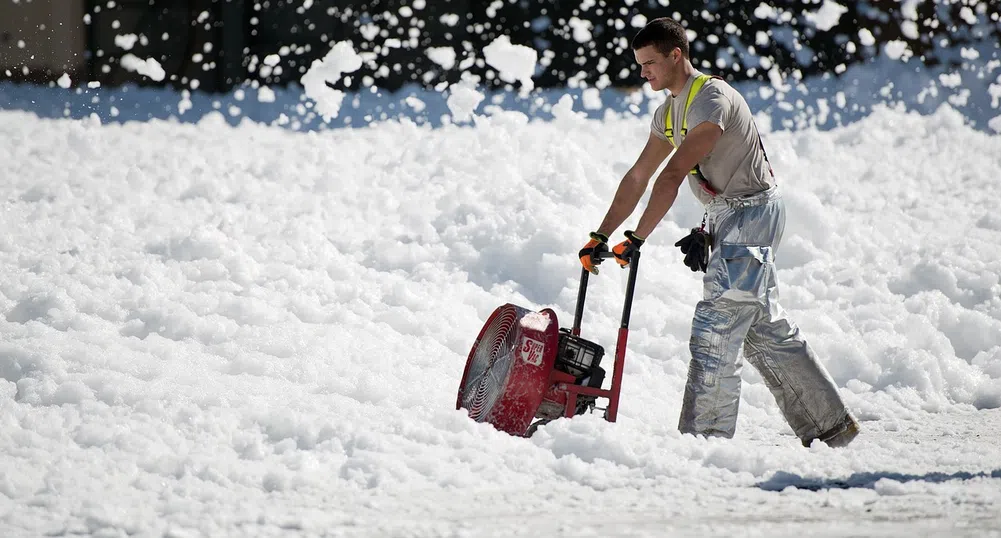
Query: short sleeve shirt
{"x": 736, "y": 166}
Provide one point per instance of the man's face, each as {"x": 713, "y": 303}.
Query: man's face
{"x": 656, "y": 68}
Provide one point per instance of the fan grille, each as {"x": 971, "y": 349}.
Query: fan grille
{"x": 491, "y": 364}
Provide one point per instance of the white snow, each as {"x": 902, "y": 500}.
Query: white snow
{"x": 341, "y": 59}
{"x": 126, "y": 41}
{"x": 827, "y": 16}
{"x": 415, "y": 103}
{"x": 995, "y": 123}
{"x": 449, "y": 19}
{"x": 265, "y": 95}
{"x": 967, "y": 15}
{"x": 909, "y": 9}
{"x": 462, "y": 101}
{"x": 563, "y": 111}
{"x": 969, "y": 53}
{"x": 994, "y": 91}
{"x": 765, "y": 11}
{"x": 148, "y": 67}
{"x": 896, "y": 49}
{"x": 64, "y": 81}
{"x": 581, "y": 29}
{"x": 208, "y": 330}
{"x": 866, "y": 38}
{"x": 950, "y": 80}
{"x": 514, "y": 63}
{"x": 535, "y": 321}
{"x": 591, "y": 99}
{"x": 443, "y": 56}
{"x": 185, "y": 104}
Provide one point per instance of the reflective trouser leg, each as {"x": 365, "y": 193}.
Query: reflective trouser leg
{"x": 741, "y": 307}
{"x": 736, "y": 284}
{"x": 803, "y": 389}
{"x": 712, "y": 393}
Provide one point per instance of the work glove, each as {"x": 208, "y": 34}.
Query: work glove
{"x": 589, "y": 254}
{"x": 624, "y": 251}
{"x": 695, "y": 246}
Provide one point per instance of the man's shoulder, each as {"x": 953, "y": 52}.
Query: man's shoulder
{"x": 716, "y": 95}
{"x": 717, "y": 87}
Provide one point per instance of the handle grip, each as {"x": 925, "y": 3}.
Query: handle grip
{"x": 627, "y": 306}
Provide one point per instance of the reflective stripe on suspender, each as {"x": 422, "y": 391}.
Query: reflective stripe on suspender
{"x": 669, "y": 127}
{"x": 692, "y": 92}
{"x": 697, "y": 85}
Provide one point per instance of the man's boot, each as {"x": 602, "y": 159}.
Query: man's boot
{"x": 840, "y": 435}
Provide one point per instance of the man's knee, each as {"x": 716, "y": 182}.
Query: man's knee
{"x": 775, "y": 339}
{"x": 710, "y": 331}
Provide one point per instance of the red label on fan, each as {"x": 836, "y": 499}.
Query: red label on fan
{"x": 532, "y": 351}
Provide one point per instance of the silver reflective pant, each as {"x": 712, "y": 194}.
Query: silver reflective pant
{"x": 740, "y": 307}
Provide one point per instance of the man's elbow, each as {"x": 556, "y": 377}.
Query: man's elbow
{"x": 635, "y": 183}
{"x": 672, "y": 177}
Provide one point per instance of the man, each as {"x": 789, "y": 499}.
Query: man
{"x": 719, "y": 150}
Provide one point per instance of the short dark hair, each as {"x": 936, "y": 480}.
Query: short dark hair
{"x": 665, "y": 34}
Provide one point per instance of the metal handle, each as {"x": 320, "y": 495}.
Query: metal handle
{"x": 627, "y": 307}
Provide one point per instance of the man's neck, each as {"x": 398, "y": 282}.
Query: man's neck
{"x": 687, "y": 70}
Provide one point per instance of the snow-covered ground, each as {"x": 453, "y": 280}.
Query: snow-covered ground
{"x": 218, "y": 331}
{"x": 209, "y": 329}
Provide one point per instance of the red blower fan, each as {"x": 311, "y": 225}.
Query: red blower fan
{"x": 524, "y": 370}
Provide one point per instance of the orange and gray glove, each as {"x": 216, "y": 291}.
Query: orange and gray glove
{"x": 624, "y": 251}
{"x": 589, "y": 255}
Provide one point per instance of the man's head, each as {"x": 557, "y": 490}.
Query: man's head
{"x": 661, "y": 49}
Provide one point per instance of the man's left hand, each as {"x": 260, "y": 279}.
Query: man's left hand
{"x": 624, "y": 251}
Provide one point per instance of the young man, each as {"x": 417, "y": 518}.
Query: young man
{"x": 719, "y": 150}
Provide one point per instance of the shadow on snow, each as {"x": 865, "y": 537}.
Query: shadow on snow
{"x": 782, "y": 480}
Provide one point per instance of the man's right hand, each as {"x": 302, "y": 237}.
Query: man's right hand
{"x": 589, "y": 254}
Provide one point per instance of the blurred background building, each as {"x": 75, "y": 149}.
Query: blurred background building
{"x": 214, "y": 45}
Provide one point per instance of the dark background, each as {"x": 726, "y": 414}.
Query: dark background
{"x": 233, "y": 37}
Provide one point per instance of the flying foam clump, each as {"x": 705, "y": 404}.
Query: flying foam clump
{"x": 341, "y": 59}
{"x": 514, "y": 63}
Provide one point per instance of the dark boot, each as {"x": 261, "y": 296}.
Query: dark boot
{"x": 840, "y": 435}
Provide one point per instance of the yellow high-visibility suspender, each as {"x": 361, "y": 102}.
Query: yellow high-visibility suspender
{"x": 692, "y": 92}
{"x": 669, "y": 128}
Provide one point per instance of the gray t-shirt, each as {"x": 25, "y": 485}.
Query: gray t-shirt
{"x": 737, "y": 165}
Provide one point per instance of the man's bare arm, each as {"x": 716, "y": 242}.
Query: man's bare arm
{"x": 698, "y": 143}
{"x": 634, "y": 183}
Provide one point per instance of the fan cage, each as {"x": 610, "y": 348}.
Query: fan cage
{"x": 490, "y": 365}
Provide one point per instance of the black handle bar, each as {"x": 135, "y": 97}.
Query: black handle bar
{"x": 634, "y": 262}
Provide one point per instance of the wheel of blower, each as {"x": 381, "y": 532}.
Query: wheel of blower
{"x": 508, "y": 368}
